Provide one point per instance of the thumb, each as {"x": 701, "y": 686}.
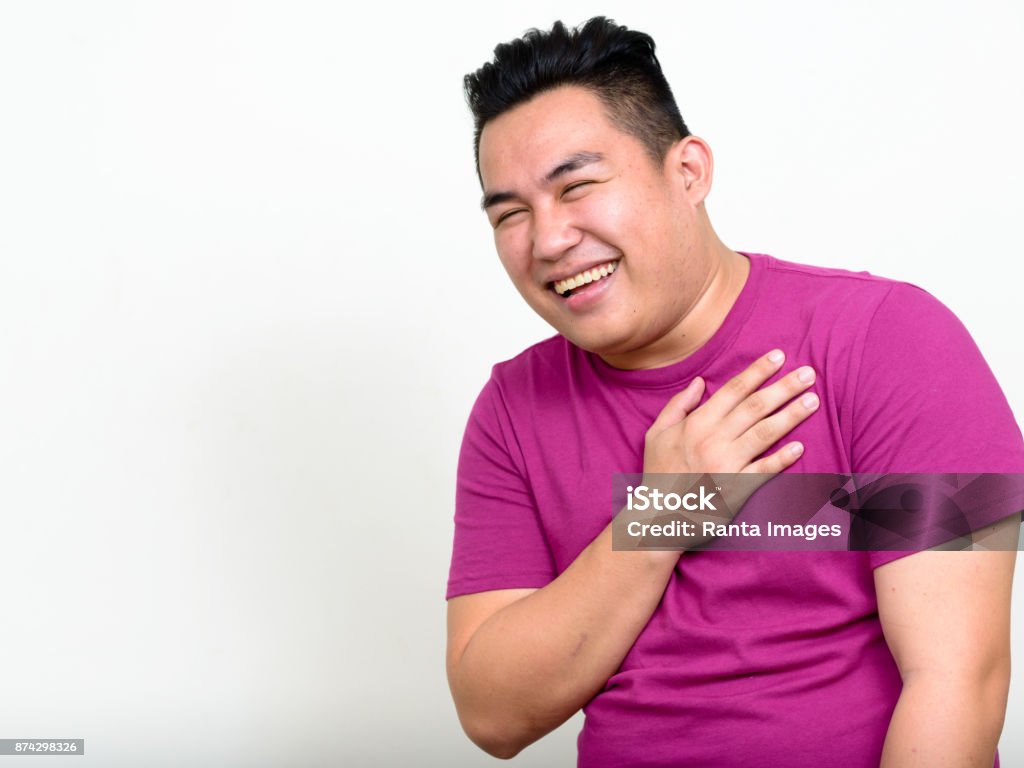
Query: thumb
{"x": 680, "y": 405}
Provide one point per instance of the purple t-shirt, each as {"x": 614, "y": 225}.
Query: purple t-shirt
{"x": 751, "y": 658}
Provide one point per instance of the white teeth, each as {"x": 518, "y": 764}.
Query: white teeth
{"x": 587, "y": 276}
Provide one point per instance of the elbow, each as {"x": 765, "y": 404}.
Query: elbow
{"x": 495, "y": 738}
{"x": 500, "y": 731}
{"x": 488, "y": 728}
{"x": 501, "y": 749}
{"x": 498, "y": 718}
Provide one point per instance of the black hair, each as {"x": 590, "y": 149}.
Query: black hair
{"x": 617, "y": 64}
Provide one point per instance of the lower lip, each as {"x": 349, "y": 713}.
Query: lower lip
{"x": 591, "y": 294}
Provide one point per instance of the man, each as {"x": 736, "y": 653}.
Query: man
{"x": 676, "y": 354}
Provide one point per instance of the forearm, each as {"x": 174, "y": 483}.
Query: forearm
{"x": 947, "y": 722}
{"x": 533, "y": 664}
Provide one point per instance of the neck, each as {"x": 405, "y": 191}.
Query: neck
{"x": 722, "y": 279}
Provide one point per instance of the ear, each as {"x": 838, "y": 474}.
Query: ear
{"x": 690, "y": 165}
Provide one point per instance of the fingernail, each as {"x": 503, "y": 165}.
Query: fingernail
{"x": 806, "y": 374}
{"x": 776, "y": 356}
{"x": 796, "y": 449}
{"x": 810, "y": 401}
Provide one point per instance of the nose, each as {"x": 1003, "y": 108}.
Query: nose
{"x": 554, "y": 233}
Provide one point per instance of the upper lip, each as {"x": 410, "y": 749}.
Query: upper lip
{"x": 576, "y": 270}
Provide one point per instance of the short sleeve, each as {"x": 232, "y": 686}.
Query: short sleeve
{"x": 499, "y": 542}
{"x": 925, "y": 399}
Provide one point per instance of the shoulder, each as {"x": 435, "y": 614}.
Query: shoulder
{"x": 551, "y": 352}
{"x": 885, "y": 324}
{"x": 832, "y": 282}
{"x": 851, "y": 303}
{"x": 543, "y": 370}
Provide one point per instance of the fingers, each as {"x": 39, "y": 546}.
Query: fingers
{"x": 681, "y": 404}
{"x": 777, "y": 461}
{"x": 768, "y": 431}
{"x": 762, "y": 404}
{"x": 736, "y": 425}
{"x": 738, "y": 388}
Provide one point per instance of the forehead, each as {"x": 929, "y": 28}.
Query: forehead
{"x": 532, "y": 136}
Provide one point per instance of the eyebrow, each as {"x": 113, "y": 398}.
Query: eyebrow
{"x": 571, "y": 163}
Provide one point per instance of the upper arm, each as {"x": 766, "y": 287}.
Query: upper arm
{"x": 925, "y": 400}
{"x": 947, "y": 613}
{"x": 499, "y": 542}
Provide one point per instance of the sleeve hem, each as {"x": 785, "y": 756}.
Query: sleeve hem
{"x": 491, "y": 583}
{"x": 880, "y": 558}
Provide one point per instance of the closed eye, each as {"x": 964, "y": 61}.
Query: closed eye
{"x": 577, "y": 185}
{"x": 505, "y": 215}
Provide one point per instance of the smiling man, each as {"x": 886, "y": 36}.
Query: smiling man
{"x": 675, "y": 353}
{"x": 679, "y": 280}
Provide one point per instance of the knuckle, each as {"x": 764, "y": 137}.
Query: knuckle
{"x": 736, "y": 386}
{"x": 763, "y": 432}
{"x": 756, "y": 404}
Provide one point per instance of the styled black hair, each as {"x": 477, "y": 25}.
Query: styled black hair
{"x": 617, "y": 64}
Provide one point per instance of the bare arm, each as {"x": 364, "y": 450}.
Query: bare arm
{"x": 521, "y": 662}
{"x": 946, "y": 617}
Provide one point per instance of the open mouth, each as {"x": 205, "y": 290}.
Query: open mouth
{"x": 565, "y": 288}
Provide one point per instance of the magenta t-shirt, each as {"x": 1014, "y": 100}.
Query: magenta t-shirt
{"x": 751, "y": 658}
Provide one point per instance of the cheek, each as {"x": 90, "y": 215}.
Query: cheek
{"x": 629, "y": 221}
{"x": 514, "y": 255}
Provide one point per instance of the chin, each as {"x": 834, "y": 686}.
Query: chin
{"x": 598, "y": 343}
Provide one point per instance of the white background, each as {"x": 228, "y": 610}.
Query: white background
{"x": 247, "y": 298}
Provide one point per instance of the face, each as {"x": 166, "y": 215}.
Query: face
{"x": 603, "y": 242}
